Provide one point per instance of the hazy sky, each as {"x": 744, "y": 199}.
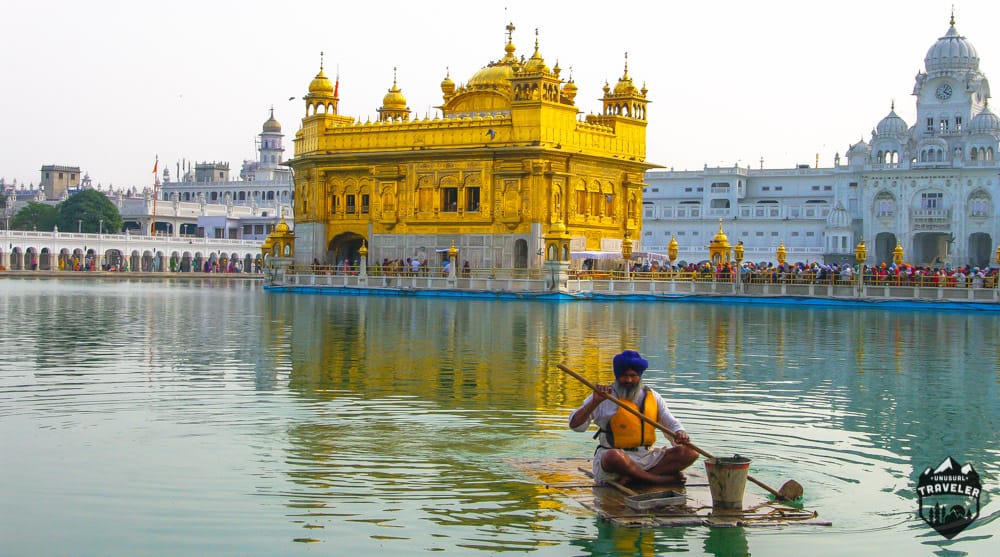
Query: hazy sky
{"x": 108, "y": 86}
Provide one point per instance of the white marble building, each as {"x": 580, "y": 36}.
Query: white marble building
{"x": 256, "y": 201}
{"x": 929, "y": 186}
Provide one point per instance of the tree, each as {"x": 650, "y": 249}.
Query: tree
{"x": 84, "y": 212}
{"x": 35, "y": 216}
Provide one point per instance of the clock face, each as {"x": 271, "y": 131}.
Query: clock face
{"x": 943, "y": 92}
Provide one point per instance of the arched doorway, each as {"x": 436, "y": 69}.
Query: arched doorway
{"x": 885, "y": 242}
{"x": 520, "y": 254}
{"x": 932, "y": 248}
{"x": 980, "y": 249}
{"x": 45, "y": 260}
{"x": 344, "y": 247}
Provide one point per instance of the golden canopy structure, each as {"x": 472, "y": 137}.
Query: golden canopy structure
{"x": 509, "y": 161}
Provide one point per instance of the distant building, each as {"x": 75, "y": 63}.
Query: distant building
{"x": 264, "y": 183}
{"x": 58, "y": 179}
{"x": 931, "y": 188}
{"x": 509, "y": 160}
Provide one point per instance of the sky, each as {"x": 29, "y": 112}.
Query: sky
{"x": 110, "y": 85}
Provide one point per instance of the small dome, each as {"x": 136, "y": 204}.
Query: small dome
{"x": 839, "y": 217}
{"x": 536, "y": 63}
{"x": 394, "y": 99}
{"x": 272, "y": 125}
{"x": 720, "y": 236}
{"x": 447, "y": 85}
{"x": 320, "y": 85}
{"x": 281, "y": 228}
{"x": 625, "y": 86}
{"x": 985, "y": 122}
{"x": 859, "y": 148}
{"x": 570, "y": 90}
{"x": 892, "y": 125}
{"x": 952, "y": 52}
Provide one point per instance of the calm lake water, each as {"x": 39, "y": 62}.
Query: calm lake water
{"x": 194, "y": 418}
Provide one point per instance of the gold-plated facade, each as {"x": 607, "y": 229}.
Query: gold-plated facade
{"x": 508, "y": 160}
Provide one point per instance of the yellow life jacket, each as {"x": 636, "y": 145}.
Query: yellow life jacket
{"x": 626, "y": 431}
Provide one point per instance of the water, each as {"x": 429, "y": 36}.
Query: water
{"x": 191, "y": 418}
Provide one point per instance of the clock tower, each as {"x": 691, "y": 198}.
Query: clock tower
{"x": 950, "y": 91}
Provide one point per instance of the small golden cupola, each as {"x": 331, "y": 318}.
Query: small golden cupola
{"x": 719, "y": 249}
{"x": 447, "y": 85}
{"x": 625, "y": 85}
{"x": 570, "y": 89}
{"x": 535, "y": 64}
{"x": 393, "y": 104}
{"x": 625, "y": 100}
{"x": 322, "y": 97}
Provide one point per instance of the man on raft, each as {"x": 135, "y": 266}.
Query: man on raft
{"x": 625, "y": 449}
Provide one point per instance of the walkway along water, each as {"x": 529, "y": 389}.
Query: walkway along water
{"x": 674, "y": 286}
{"x": 67, "y": 251}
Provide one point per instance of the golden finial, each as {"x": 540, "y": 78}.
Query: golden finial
{"x": 952, "y": 15}
{"x": 321, "y": 60}
{"x": 510, "y": 32}
{"x": 626, "y": 65}
{"x": 394, "y": 77}
{"x": 893, "y": 106}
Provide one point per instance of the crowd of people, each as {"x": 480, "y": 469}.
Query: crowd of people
{"x": 410, "y": 267}
{"x": 889, "y": 274}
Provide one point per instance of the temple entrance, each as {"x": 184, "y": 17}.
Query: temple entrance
{"x": 980, "y": 249}
{"x": 521, "y": 254}
{"x": 932, "y": 248}
{"x": 885, "y": 242}
{"x": 344, "y": 247}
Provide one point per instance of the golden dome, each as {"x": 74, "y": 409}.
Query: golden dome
{"x": 494, "y": 75}
{"x": 281, "y": 228}
{"x": 447, "y": 85}
{"x": 569, "y": 90}
{"x": 497, "y": 74}
{"x": 272, "y": 125}
{"x": 536, "y": 63}
{"x": 320, "y": 85}
{"x": 625, "y": 85}
{"x": 720, "y": 236}
{"x": 394, "y": 99}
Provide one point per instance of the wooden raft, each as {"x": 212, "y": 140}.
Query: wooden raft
{"x": 572, "y": 478}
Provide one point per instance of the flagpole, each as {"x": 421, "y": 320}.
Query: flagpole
{"x": 156, "y": 193}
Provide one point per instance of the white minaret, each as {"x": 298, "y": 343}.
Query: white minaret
{"x": 270, "y": 147}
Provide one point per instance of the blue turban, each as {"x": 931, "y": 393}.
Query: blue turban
{"x": 629, "y": 359}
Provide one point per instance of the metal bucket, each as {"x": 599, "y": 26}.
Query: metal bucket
{"x": 727, "y": 479}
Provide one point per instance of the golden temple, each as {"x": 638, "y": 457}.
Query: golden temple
{"x": 509, "y": 160}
